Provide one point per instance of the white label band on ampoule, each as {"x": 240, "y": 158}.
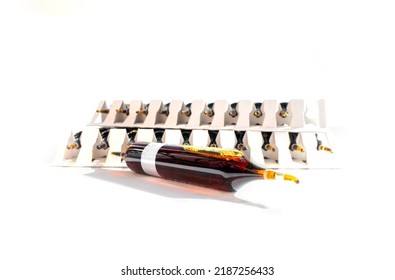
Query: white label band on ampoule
{"x": 148, "y": 158}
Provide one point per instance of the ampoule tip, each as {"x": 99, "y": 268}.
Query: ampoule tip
{"x": 118, "y": 154}
{"x": 324, "y": 148}
{"x": 72, "y": 147}
{"x": 104, "y": 111}
{"x": 288, "y": 177}
{"x": 283, "y": 114}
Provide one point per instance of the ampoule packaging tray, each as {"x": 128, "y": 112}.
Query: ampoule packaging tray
{"x": 271, "y": 133}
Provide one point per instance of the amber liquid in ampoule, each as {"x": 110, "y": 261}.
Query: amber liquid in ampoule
{"x": 209, "y": 167}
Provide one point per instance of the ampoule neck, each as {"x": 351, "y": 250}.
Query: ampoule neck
{"x": 254, "y": 169}
{"x": 268, "y": 174}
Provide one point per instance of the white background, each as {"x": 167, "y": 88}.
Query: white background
{"x": 59, "y": 58}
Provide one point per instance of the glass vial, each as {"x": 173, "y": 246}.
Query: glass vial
{"x": 221, "y": 169}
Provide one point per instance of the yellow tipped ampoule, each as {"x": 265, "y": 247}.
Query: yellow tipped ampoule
{"x": 241, "y": 147}
{"x": 103, "y": 111}
{"x": 122, "y": 111}
{"x": 298, "y": 148}
{"x": 324, "y": 148}
{"x": 268, "y": 147}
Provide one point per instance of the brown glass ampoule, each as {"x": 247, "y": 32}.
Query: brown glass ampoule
{"x": 221, "y": 169}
